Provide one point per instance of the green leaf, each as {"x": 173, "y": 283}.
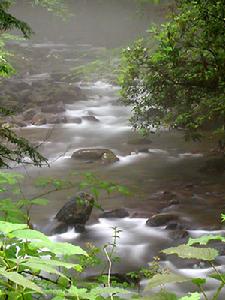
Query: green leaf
{"x": 39, "y": 201}
{"x": 54, "y": 263}
{"x": 59, "y": 297}
{"x": 41, "y": 266}
{"x": 16, "y": 191}
{"x": 108, "y": 290}
{"x": 185, "y": 251}
{"x": 219, "y": 277}
{"x": 20, "y": 280}
{"x": 59, "y": 248}
{"x": 28, "y": 202}
{"x": 193, "y": 296}
{"x": 163, "y": 295}
{"x": 199, "y": 281}
{"x": 203, "y": 240}
{"x": 29, "y": 234}
{"x": 7, "y": 227}
{"x": 161, "y": 279}
{"x": 10, "y": 178}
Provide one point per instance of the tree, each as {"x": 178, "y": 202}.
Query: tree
{"x": 180, "y": 82}
{"x": 13, "y": 147}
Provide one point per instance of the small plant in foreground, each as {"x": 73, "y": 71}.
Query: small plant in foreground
{"x": 32, "y": 266}
{"x": 189, "y": 251}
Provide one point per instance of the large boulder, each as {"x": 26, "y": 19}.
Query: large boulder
{"x": 90, "y": 118}
{"x": 29, "y": 114}
{"x": 103, "y": 155}
{"x": 67, "y": 95}
{"x": 18, "y": 121}
{"x": 39, "y": 119}
{"x": 54, "y": 108}
{"x": 55, "y": 119}
{"x": 177, "y": 231}
{"x": 115, "y": 213}
{"x": 77, "y": 211}
{"x": 161, "y": 219}
{"x": 76, "y": 120}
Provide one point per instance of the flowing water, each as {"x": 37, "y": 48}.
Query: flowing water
{"x": 150, "y": 168}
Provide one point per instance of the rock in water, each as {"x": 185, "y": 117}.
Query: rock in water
{"x": 53, "y": 108}
{"x": 39, "y": 119}
{"x": 77, "y": 211}
{"x": 29, "y": 114}
{"x": 103, "y": 155}
{"x": 90, "y": 118}
{"x": 115, "y": 213}
{"x": 161, "y": 219}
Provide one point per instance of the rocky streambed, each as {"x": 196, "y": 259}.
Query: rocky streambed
{"x": 81, "y": 126}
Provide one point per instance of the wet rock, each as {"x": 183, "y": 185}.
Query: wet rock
{"x": 77, "y": 211}
{"x": 218, "y": 245}
{"x": 75, "y": 120}
{"x": 90, "y": 118}
{"x": 55, "y": 119}
{"x": 174, "y": 202}
{"x": 39, "y": 119}
{"x": 54, "y": 108}
{"x": 167, "y": 195}
{"x": 161, "y": 219}
{"x": 18, "y": 122}
{"x": 143, "y": 150}
{"x": 29, "y": 114}
{"x": 177, "y": 231}
{"x": 66, "y": 94}
{"x": 102, "y": 155}
{"x": 115, "y": 213}
{"x": 179, "y": 235}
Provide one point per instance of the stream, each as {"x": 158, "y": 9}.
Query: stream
{"x": 152, "y": 168}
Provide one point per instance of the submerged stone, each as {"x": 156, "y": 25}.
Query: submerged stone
{"x": 102, "y": 155}
{"x": 76, "y": 212}
{"x": 115, "y": 213}
{"x": 161, "y": 219}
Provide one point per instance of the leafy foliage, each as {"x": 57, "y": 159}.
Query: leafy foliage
{"x": 17, "y": 149}
{"x": 179, "y": 82}
{"x": 161, "y": 279}
{"x": 203, "y": 240}
{"x": 12, "y": 147}
{"x": 15, "y": 208}
{"x": 88, "y": 182}
{"x": 193, "y": 296}
{"x": 9, "y": 22}
{"x": 23, "y": 260}
{"x": 186, "y": 251}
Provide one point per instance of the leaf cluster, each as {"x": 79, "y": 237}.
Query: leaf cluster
{"x": 188, "y": 251}
{"x": 180, "y": 82}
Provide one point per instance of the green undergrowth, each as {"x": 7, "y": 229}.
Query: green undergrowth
{"x": 34, "y": 267}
